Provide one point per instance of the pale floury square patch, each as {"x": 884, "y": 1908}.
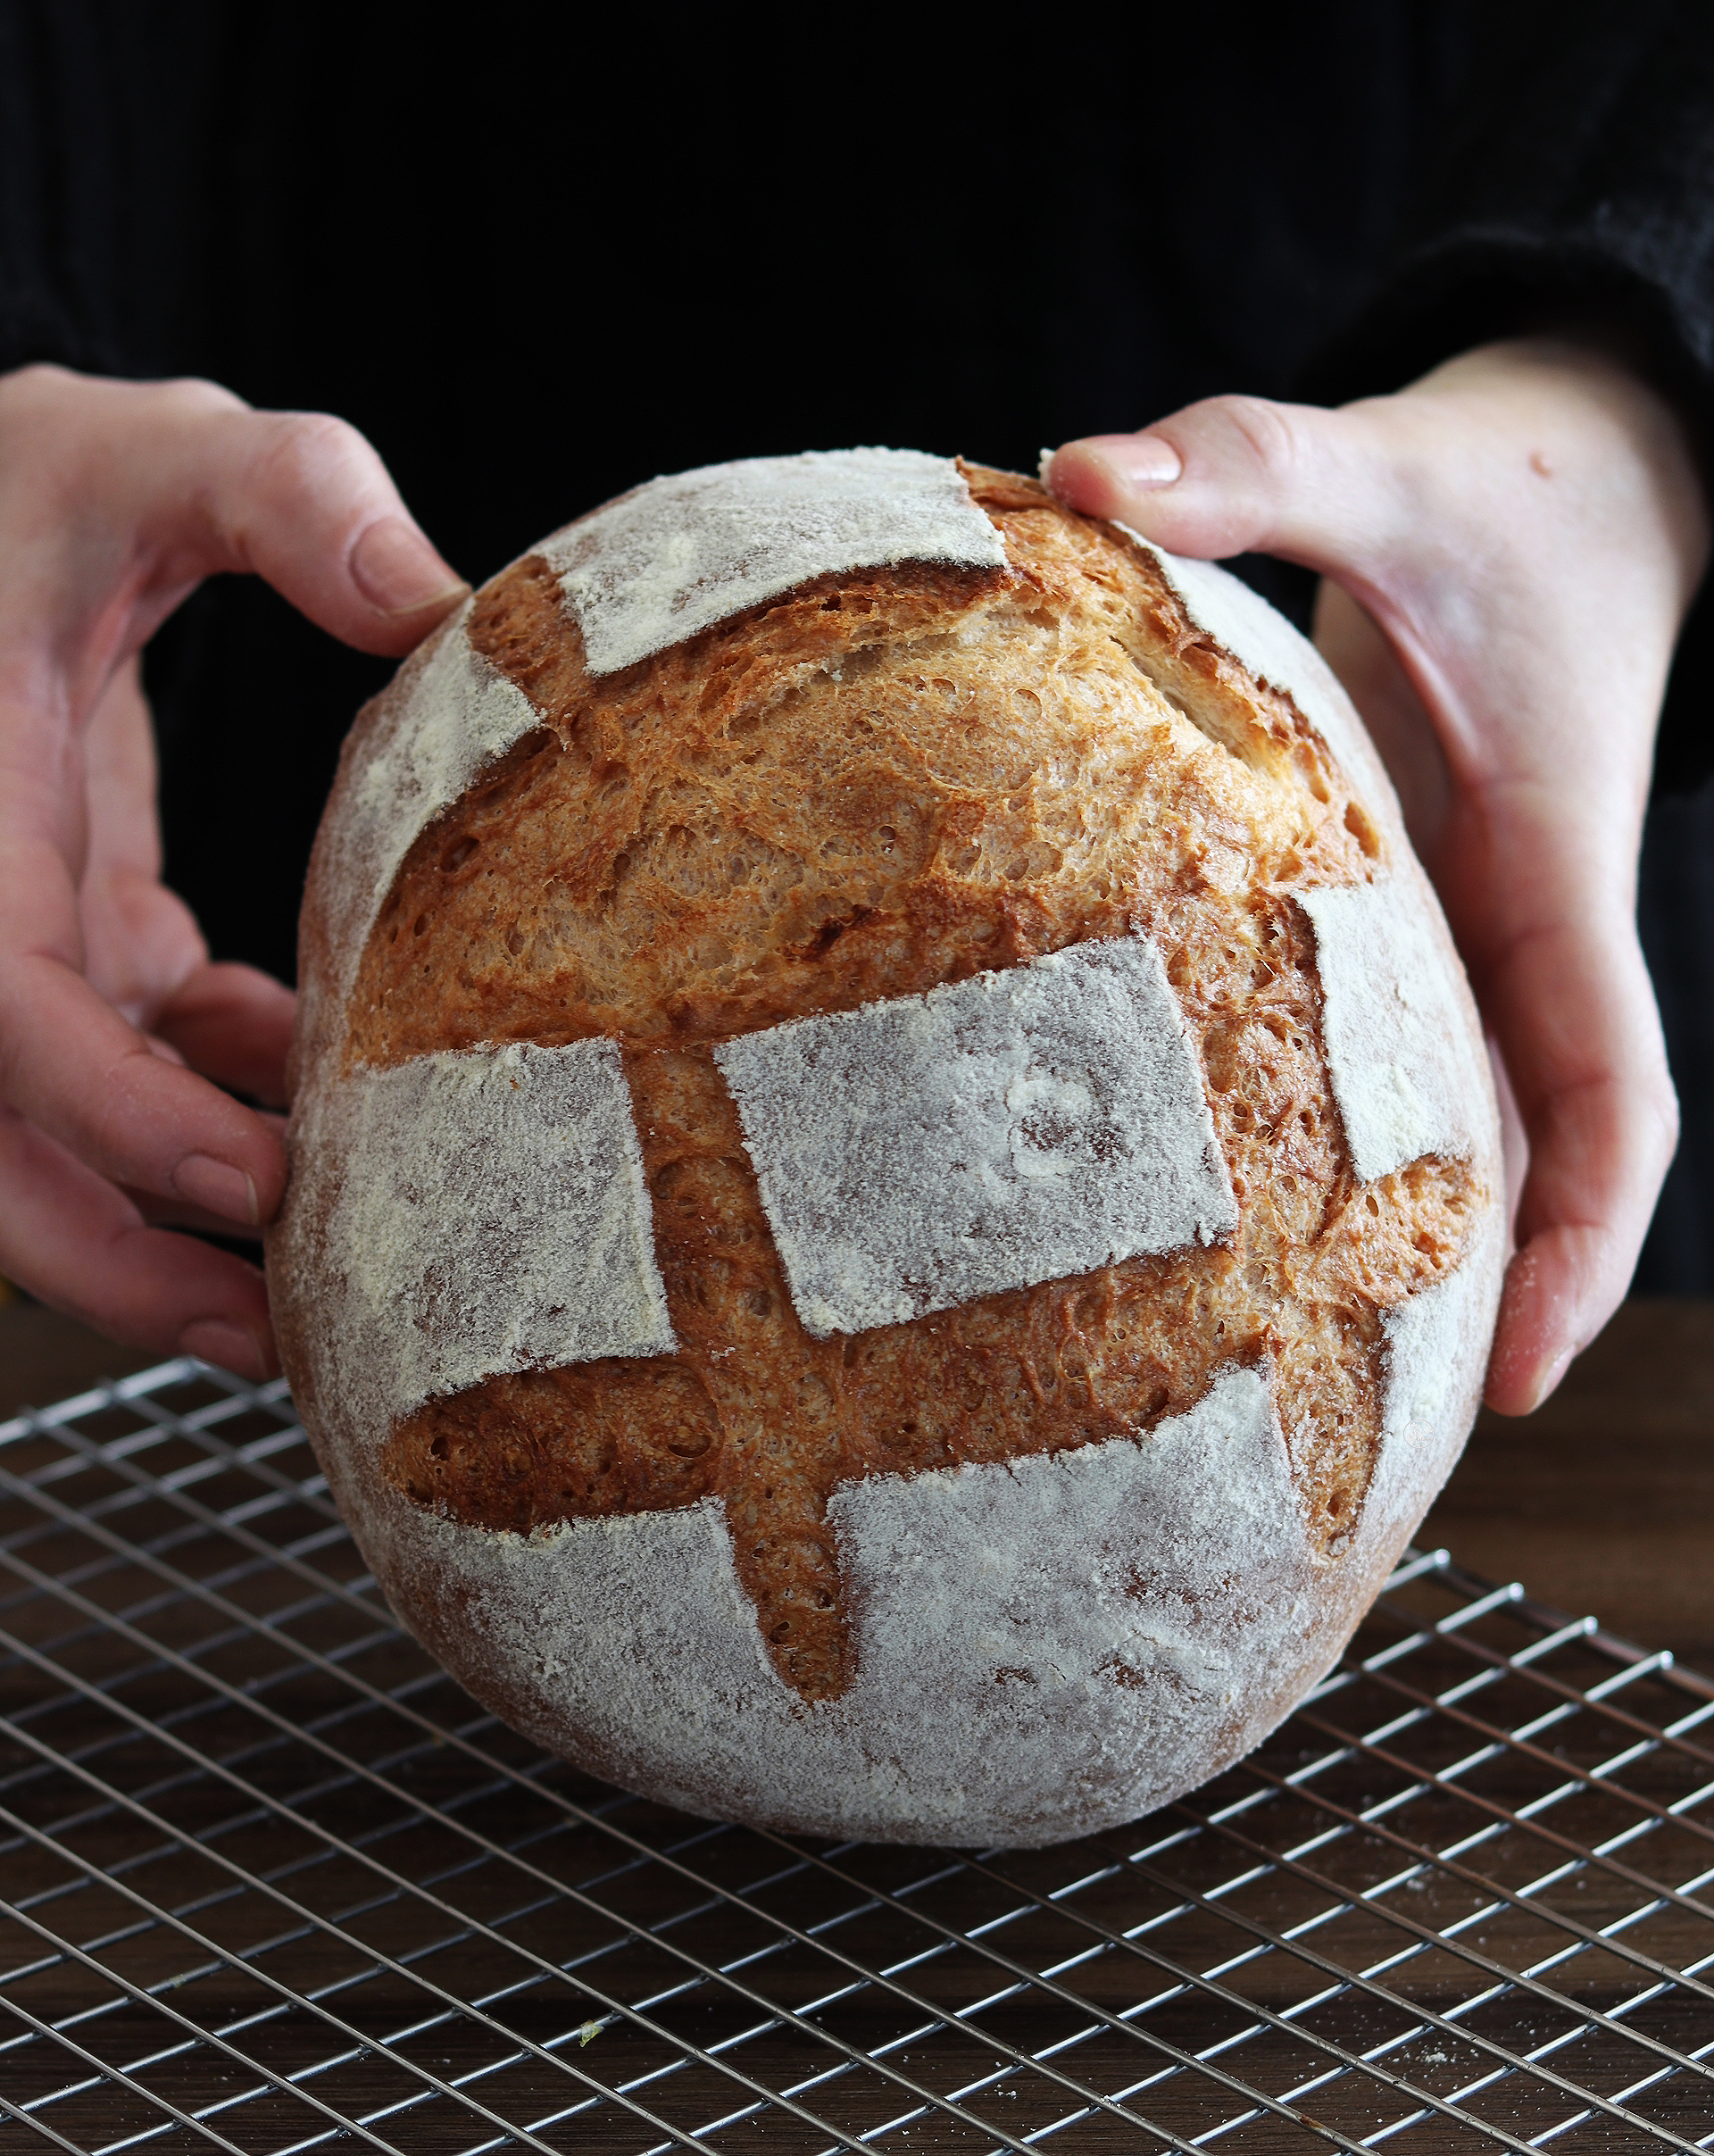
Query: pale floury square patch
{"x": 1405, "y": 1067}
{"x": 1014, "y": 1127}
{"x": 682, "y": 554}
{"x": 490, "y": 1216}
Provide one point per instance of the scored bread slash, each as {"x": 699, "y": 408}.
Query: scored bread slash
{"x": 895, "y": 1206}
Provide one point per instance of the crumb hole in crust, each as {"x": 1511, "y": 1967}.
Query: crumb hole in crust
{"x": 1361, "y": 826}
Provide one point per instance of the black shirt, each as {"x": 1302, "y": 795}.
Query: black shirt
{"x": 535, "y": 270}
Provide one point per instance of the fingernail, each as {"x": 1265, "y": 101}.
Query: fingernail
{"x": 1141, "y": 460}
{"x": 397, "y": 570}
{"x": 218, "y": 1340}
{"x": 217, "y": 1187}
{"x": 1550, "y": 1384}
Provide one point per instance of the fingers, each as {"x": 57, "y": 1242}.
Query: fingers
{"x": 1513, "y": 569}
{"x": 235, "y": 1025}
{"x": 71, "y": 1065}
{"x": 139, "y": 940}
{"x": 1240, "y": 475}
{"x": 1369, "y": 666}
{"x": 154, "y": 485}
{"x": 1542, "y": 912}
{"x": 76, "y": 1241}
{"x": 1562, "y": 1287}
{"x": 1578, "y": 1026}
{"x": 1514, "y": 1139}
{"x": 304, "y": 502}
{"x": 115, "y": 499}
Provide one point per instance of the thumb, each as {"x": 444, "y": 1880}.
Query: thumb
{"x": 302, "y": 500}
{"x": 154, "y": 486}
{"x": 1239, "y": 475}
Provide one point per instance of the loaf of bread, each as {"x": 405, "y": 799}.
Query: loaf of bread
{"x": 896, "y": 1202}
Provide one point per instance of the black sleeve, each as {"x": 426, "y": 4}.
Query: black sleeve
{"x": 1575, "y": 185}
{"x": 109, "y": 111}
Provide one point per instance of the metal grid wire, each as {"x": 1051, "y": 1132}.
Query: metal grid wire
{"x": 273, "y": 1881}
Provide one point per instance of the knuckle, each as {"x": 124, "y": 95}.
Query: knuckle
{"x": 308, "y": 444}
{"x": 188, "y": 400}
{"x": 48, "y": 415}
{"x": 309, "y": 463}
{"x": 299, "y": 471}
{"x": 106, "y": 400}
{"x": 1269, "y": 432}
{"x": 78, "y": 435}
{"x": 39, "y": 379}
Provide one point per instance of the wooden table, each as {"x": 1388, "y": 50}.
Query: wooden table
{"x": 45, "y": 1356}
{"x": 1601, "y": 1503}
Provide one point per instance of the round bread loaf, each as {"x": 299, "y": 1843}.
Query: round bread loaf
{"x": 895, "y": 1201}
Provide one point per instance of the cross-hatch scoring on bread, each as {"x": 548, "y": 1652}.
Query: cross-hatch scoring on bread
{"x": 887, "y": 780}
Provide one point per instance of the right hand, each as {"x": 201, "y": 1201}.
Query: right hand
{"x": 1508, "y": 547}
{"x": 116, "y": 1032}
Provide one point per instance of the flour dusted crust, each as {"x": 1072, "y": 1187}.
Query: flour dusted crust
{"x": 1001, "y": 1130}
{"x": 447, "y": 715}
{"x": 1408, "y": 1073}
{"x": 895, "y": 1209}
{"x": 682, "y": 554}
{"x": 478, "y": 1212}
{"x": 1090, "y": 1632}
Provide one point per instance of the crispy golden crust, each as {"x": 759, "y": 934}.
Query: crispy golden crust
{"x": 887, "y": 781}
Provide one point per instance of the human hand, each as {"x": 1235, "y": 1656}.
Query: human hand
{"x": 1509, "y": 547}
{"x": 116, "y": 499}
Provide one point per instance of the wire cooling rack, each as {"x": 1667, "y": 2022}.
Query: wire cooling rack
{"x": 271, "y": 1882}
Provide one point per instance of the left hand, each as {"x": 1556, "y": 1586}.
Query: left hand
{"x": 120, "y": 1045}
{"x": 146, "y": 956}
{"x": 1509, "y": 547}
{"x": 143, "y": 953}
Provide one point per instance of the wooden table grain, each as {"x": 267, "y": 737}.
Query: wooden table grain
{"x": 1601, "y": 1503}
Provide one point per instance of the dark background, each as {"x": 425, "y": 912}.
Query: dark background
{"x": 537, "y": 265}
